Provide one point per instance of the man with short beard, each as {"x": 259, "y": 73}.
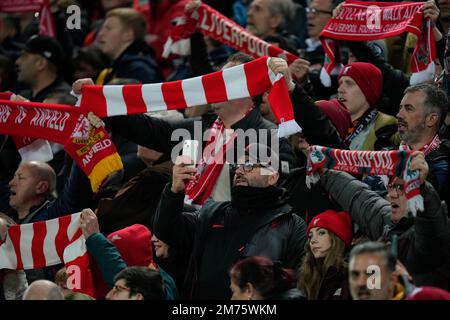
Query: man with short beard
{"x": 375, "y": 275}
{"x": 422, "y": 239}
{"x": 422, "y": 112}
{"x": 258, "y": 221}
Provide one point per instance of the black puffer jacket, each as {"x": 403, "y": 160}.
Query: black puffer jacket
{"x": 221, "y": 234}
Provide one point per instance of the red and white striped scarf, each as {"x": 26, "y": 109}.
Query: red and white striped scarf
{"x": 46, "y": 22}
{"x": 47, "y": 243}
{"x": 362, "y": 20}
{"x": 218, "y": 27}
{"x": 242, "y": 81}
{"x": 390, "y": 163}
{"x": 211, "y": 164}
{"x": 29, "y": 148}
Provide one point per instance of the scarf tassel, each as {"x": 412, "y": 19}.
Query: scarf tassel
{"x": 103, "y": 169}
{"x": 424, "y": 75}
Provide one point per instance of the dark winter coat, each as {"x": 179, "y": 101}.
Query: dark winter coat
{"x": 422, "y": 241}
{"x": 221, "y": 234}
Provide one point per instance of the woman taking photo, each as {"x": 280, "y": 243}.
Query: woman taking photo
{"x": 323, "y": 273}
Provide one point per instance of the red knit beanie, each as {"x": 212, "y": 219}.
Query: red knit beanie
{"x": 339, "y": 223}
{"x": 428, "y": 293}
{"x": 134, "y": 244}
{"x": 338, "y": 114}
{"x": 368, "y": 78}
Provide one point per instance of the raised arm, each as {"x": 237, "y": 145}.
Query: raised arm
{"x": 367, "y": 209}
{"x": 170, "y": 224}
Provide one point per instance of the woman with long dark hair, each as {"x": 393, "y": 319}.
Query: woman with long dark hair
{"x": 323, "y": 274}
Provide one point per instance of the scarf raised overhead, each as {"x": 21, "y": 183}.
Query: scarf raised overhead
{"x": 359, "y": 20}
{"x": 246, "y": 80}
{"x": 217, "y": 26}
{"x": 91, "y": 148}
{"x": 390, "y": 163}
{"x": 29, "y": 148}
{"x": 48, "y": 243}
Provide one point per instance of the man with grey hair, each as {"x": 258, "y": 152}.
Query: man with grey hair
{"x": 363, "y": 260}
{"x": 374, "y": 274}
{"x": 269, "y": 17}
{"x": 43, "y": 290}
{"x": 422, "y": 112}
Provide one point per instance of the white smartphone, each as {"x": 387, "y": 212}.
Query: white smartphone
{"x": 190, "y": 149}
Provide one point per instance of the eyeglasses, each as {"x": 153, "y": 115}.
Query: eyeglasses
{"x": 316, "y": 12}
{"x": 247, "y": 166}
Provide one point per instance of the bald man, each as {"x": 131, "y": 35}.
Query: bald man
{"x": 32, "y": 193}
{"x": 43, "y": 290}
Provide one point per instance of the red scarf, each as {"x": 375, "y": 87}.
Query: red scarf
{"x": 215, "y": 25}
{"x": 390, "y": 163}
{"x": 359, "y": 20}
{"x": 46, "y": 23}
{"x": 211, "y": 164}
{"x": 29, "y": 148}
{"x": 48, "y": 243}
{"x": 245, "y": 80}
{"x": 91, "y": 148}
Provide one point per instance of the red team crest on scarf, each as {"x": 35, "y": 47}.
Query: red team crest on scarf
{"x": 361, "y": 21}
{"x": 91, "y": 148}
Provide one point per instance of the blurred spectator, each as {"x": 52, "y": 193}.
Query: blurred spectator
{"x": 136, "y": 200}
{"x": 61, "y": 281}
{"x": 40, "y": 67}
{"x": 269, "y": 17}
{"x": 258, "y": 278}
{"x": 163, "y": 16}
{"x": 121, "y": 38}
{"x": 371, "y": 259}
{"x": 43, "y": 290}
{"x": 10, "y": 36}
{"x": 137, "y": 283}
{"x": 89, "y": 62}
{"x": 113, "y": 254}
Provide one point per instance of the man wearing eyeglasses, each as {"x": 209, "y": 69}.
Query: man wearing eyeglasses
{"x": 318, "y": 13}
{"x": 258, "y": 221}
{"x": 422, "y": 240}
{"x": 137, "y": 283}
